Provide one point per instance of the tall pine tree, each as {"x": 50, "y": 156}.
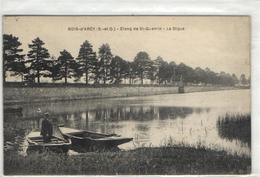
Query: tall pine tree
{"x": 119, "y": 69}
{"x": 38, "y": 57}
{"x": 86, "y": 61}
{"x": 54, "y": 68}
{"x": 105, "y": 57}
{"x": 12, "y": 59}
{"x": 65, "y": 65}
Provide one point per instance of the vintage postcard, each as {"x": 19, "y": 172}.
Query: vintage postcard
{"x": 126, "y": 95}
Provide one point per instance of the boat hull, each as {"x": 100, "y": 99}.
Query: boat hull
{"x": 90, "y": 144}
{"x": 101, "y": 142}
{"x": 56, "y": 149}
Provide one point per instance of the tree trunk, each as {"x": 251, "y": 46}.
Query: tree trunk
{"x": 105, "y": 75}
{"x": 87, "y": 120}
{"x": 86, "y": 77}
{"x": 38, "y": 76}
{"x": 86, "y": 69}
{"x": 38, "y": 70}
{"x": 66, "y": 73}
{"x": 142, "y": 79}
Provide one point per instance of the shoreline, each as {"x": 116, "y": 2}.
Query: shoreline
{"x": 16, "y": 95}
{"x": 167, "y": 160}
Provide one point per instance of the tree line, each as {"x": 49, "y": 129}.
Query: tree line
{"x": 101, "y": 67}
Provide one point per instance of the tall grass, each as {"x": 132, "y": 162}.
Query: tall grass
{"x": 235, "y": 126}
{"x": 167, "y": 160}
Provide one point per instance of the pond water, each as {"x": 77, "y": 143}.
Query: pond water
{"x": 189, "y": 119}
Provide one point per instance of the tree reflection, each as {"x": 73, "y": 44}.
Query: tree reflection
{"x": 102, "y": 118}
{"x": 140, "y": 113}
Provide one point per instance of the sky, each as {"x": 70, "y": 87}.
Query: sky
{"x": 221, "y": 43}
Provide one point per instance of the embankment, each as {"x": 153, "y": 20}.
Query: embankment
{"x": 37, "y": 94}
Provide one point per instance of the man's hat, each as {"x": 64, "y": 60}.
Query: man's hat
{"x": 46, "y": 114}
{"x": 39, "y": 110}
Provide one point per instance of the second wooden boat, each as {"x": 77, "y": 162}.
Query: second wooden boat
{"x": 92, "y": 140}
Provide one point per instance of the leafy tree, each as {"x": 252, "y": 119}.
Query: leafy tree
{"x": 66, "y": 65}
{"x": 151, "y": 74}
{"x": 12, "y": 59}
{"x": 163, "y": 70}
{"x": 224, "y": 79}
{"x": 119, "y": 68}
{"x": 125, "y": 69}
{"x": 105, "y": 57}
{"x": 186, "y": 72}
{"x": 200, "y": 75}
{"x": 243, "y": 79}
{"x": 131, "y": 72}
{"x": 234, "y": 79}
{"x": 211, "y": 77}
{"x": 143, "y": 64}
{"x": 86, "y": 61}
{"x": 38, "y": 57}
{"x": 54, "y": 69}
{"x": 172, "y": 72}
{"x": 249, "y": 80}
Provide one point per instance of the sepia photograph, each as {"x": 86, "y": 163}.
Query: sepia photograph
{"x": 126, "y": 95}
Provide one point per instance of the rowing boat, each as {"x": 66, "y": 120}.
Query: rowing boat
{"x": 56, "y": 144}
{"x": 92, "y": 140}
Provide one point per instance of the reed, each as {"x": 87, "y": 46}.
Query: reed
{"x": 235, "y": 126}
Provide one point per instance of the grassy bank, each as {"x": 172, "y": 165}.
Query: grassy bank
{"x": 164, "y": 160}
{"x": 38, "y": 94}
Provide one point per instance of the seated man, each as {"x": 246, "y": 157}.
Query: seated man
{"x": 46, "y": 130}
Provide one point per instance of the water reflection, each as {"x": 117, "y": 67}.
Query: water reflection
{"x": 152, "y": 120}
